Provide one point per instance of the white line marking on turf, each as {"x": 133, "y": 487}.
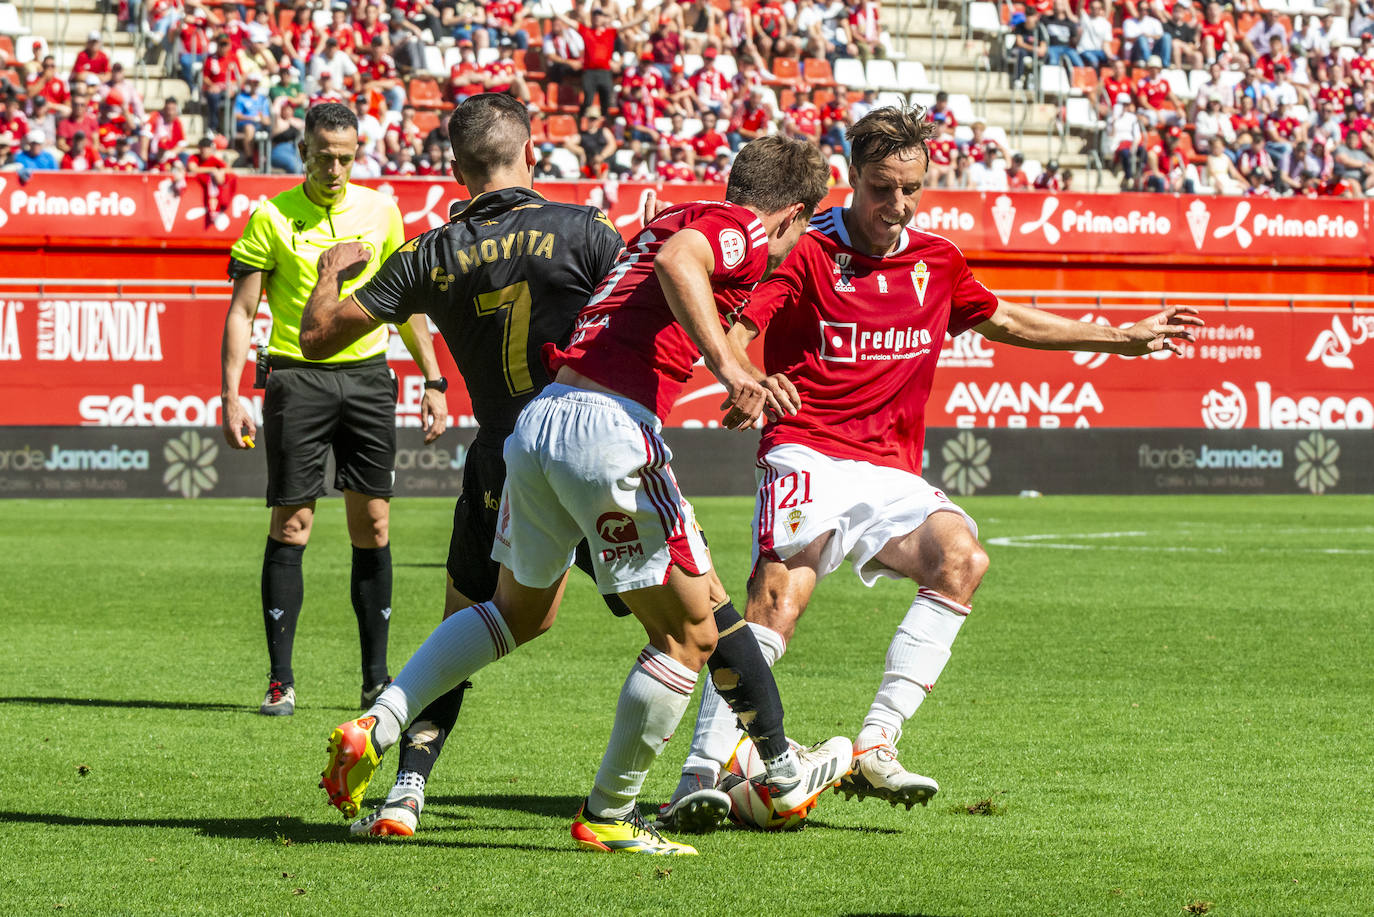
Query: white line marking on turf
{"x": 1044, "y": 541}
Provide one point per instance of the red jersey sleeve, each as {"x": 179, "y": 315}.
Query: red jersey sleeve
{"x": 971, "y": 303}
{"x": 739, "y": 248}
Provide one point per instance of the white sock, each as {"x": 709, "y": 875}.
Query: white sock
{"x": 408, "y": 783}
{"x": 652, "y": 702}
{"x": 716, "y": 733}
{"x": 465, "y": 642}
{"x": 915, "y": 658}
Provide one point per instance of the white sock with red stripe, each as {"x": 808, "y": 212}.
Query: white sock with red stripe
{"x": 652, "y": 703}
{"x": 717, "y": 731}
{"x": 915, "y": 658}
{"x": 465, "y": 642}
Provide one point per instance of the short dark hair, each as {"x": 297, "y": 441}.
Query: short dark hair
{"x": 773, "y": 173}
{"x": 488, "y": 131}
{"x": 889, "y": 131}
{"x": 330, "y": 116}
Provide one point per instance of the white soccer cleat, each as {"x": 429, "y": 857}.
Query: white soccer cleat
{"x": 820, "y": 766}
{"x": 697, "y": 807}
{"x": 396, "y": 817}
{"x": 879, "y": 774}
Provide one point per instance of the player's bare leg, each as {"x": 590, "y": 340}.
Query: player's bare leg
{"x": 283, "y": 593}
{"x": 465, "y": 642}
{"x": 369, "y": 520}
{"x": 421, "y": 745}
{"x": 944, "y": 557}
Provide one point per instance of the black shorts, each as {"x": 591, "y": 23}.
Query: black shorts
{"x": 308, "y": 410}
{"x": 474, "y": 522}
{"x": 474, "y": 528}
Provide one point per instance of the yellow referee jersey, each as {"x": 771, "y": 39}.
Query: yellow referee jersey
{"x": 286, "y": 236}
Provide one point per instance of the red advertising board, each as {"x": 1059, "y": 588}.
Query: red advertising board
{"x": 98, "y": 360}
{"x": 72, "y": 206}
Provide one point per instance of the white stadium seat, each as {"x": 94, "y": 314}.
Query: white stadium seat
{"x": 9, "y": 20}
{"x": 962, "y": 106}
{"x": 882, "y": 74}
{"x": 434, "y": 61}
{"x": 911, "y": 77}
{"x": 850, "y": 73}
{"x": 983, "y": 19}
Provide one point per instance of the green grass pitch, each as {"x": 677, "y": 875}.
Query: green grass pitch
{"x": 1158, "y": 706}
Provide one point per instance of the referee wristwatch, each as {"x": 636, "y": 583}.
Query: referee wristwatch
{"x": 440, "y": 384}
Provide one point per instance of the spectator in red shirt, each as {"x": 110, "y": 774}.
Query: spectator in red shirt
{"x": 676, "y": 170}
{"x": 598, "y": 55}
{"x": 377, "y": 73}
{"x": 1216, "y": 35}
{"x": 1153, "y": 91}
{"x": 504, "y": 76}
{"x": 92, "y": 59}
{"x": 717, "y": 171}
{"x": 709, "y": 139}
{"x": 300, "y": 37}
{"x": 466, "y": 78}
{"x": 219, "y": 81}
{"x": 164, "y": 135}
{"x": 13, "y": 120}
{"x": 80, "y": 119}
{"x": 638, "y": 115}
{"x": 1016, "y": 174}
{"x": 81, "y": 156}
{"x": 114, "y": 123}
{"x": 341, "y": 30}
{"x": 803, "y": 120}
{"x": 1049, "y": 180}
{"x": 1276, "y": 56}
{"x": 749, "y": 120}
{"x": 941, "y": 150}
{"x": 501, "y": 23}
{"x": 49, "y": 85}
{"x": 712, "y": 86}
{"x": 213, "y": 174}
{"x": 194, "y": 45}
{"x": 122, "y": 158}
{"x": 940, "y": 112}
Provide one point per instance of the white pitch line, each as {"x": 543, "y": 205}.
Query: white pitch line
{"x": 1043, "y": 541}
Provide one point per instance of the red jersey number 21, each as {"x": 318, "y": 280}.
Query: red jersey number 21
{"x": 794, "y": 489}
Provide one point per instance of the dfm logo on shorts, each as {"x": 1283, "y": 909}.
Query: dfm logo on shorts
{"x": 843, "y": 342}
{"x": 618, "y": 529}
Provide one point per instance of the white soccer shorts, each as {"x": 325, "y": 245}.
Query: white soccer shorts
{"x": 803, "y": 495}
{"x": 583, "y": 464}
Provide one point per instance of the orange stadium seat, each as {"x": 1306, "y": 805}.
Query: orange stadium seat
{"x": 822, "y": 97}
{"x": 537, "y": 97}
{"x": 785, "y": 70}
{"x": 532, "y": 62}
{"x": 426, "y": 120}
{"x": 424, "y": 92}
{"x": 1085, "y": 78}
{"x": 817, "y": 72}
{"x": 537, "y": 132}
{"x": 560, "y": 127}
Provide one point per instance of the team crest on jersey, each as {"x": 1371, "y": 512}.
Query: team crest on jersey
{"x": 920, "y": 277}
{"x": 843, "y": 283}
{"x": 795, "y": 520}
{"x": 882, "y": 284}
{"x": 731, "y": 246}
{"x": 441, "y": 278}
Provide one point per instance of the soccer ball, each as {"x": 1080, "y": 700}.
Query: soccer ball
{"x": 750, "y": 804}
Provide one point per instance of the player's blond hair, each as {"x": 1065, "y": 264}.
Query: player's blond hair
{"x": 889, "y": 131}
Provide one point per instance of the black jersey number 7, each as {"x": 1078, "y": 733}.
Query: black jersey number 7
{"x": 513, "y": 303}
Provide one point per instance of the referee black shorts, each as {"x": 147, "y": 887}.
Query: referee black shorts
{"x": 308, "y": 410}
{"x": 474, "y": 528}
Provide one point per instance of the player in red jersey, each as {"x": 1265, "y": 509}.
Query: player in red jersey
{"x": 586, "y": 460}
{"x": 856, "y": 318}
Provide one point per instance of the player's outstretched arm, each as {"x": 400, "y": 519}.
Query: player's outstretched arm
{"x": 233, "y": 352}
{"x": 433, "y": 406}
{"x": 328, "y": 325}
{"x": 684, "y": 267}
{"x": 1035, "y": 328}
{"x": 783, "y": 397}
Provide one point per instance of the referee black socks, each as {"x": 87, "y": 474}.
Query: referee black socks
{"x": 282, "y": 593}
{"x": 371, "y": 593}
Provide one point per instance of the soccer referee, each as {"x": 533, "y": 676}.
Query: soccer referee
{"x": 345, "y": 402}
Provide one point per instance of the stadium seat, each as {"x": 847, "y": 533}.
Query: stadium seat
{"x": 911, "y": 77}
{"x": 785, "y": 70}
{"x": 434, "y": 61}
{"x": 817, "y": 72}
{"x": 1080, "y": 114}
{"x": 963, "y": 133}
{"x": 962, "y": 106}
{"x": 897, "y": 99}
{"x": 1085, "y": 80}
{"x": 537, "y": 132}
{"x": 487, "y": 55}
{"x": 452, "y": 57}
{"x": 691, "y": 63}
{"x": 997, "y": 133}
{"x": 984, "y": 19}
{"x": 924, "y": 99}
{"x": 423, "y": 92}
{"x": 426, "y": 121}
{"x": 9, "y": 20}
{"x": 727, "y": 65}
{"x": 30, "y": 48}
{"x": 850, "y": 72}
{"x": 560, "y": 127}
{"x": 882, "y": 74}
{"x": 537, "y": 98}
{"x": 1178, "y": 83}
{"x": 1032, "y": 168}
{"x": 567, "y": 163}
{"x": 822, "y": 97}
{"x": 1054, "y": 81}
{"x": 7, "y": 46}
{"x": 532, "y": 62}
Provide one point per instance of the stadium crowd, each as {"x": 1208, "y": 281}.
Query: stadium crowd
{"x": 1216, "y": 99}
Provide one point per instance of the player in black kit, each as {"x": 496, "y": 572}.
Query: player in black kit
{"x": 507, "y": 274}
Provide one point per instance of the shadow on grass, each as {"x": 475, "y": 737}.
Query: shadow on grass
{"x": 814, "y": 822}
{"x": 546, "y": 806}
{"x": 287, "y": 830}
